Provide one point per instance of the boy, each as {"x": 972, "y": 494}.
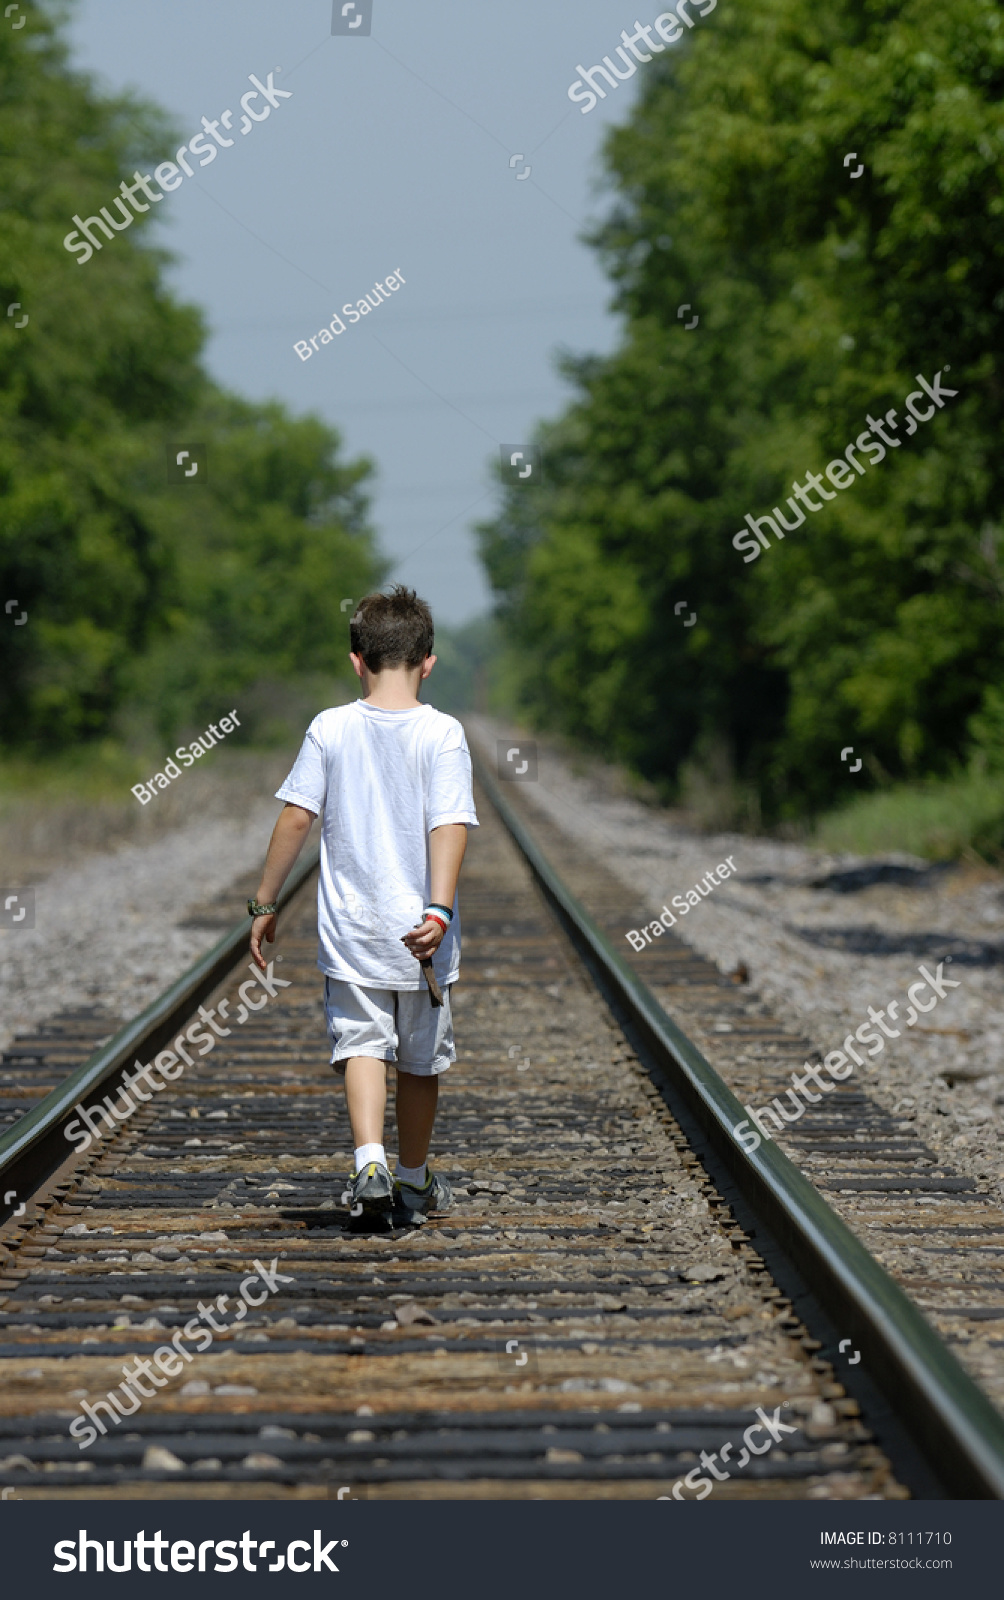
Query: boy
{"x": 391, "y": 779}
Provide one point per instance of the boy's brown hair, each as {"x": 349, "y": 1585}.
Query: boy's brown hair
{"x": 392, "y": 630}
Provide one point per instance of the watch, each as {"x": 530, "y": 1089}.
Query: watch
{"x": 256, "y": 910}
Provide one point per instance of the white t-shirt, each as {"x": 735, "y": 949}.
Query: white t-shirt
{"x": 380, "y": 781}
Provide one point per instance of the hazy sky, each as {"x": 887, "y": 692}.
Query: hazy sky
{"x": 393, "y": 152}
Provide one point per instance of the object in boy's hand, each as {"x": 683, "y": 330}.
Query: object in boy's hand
{"x": 435, "y": 992}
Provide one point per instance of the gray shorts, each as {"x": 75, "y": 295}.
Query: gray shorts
{"x": 399, "y": 1025}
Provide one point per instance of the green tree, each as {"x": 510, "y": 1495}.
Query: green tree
{"x": 820, "y": 296}
{"x": 133, "y": 586}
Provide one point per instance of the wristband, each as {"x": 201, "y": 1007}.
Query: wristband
{"x": 435, "y": 906}
{"x": 433, "y": 916}
{"x": 256, "y": 910}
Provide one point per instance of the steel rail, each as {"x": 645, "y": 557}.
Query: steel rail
{"x": 955, "y": 1426}
{"x": 143, "y": 1036}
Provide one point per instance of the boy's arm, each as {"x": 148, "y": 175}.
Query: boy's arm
{"x": 288, "y": 838}
{"x": 446, "y": 852}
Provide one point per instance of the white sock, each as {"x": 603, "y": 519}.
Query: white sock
{"x": 413, "y": 1175}
{"x": 370, "y": 1152}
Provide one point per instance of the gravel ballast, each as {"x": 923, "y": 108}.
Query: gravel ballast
{"x": 110, "y": 931}
{"x": 820, "y": 956}
{"x": 109, "y": 925}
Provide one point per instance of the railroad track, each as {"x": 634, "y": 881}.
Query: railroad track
{"x": 616, "y": 1291}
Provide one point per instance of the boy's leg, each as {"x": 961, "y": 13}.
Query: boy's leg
{"x": 425, "y": 1051}
{"x": 417, "y": 1099}
{"x": 366, "y": 1096}
{"x": 361, "y": 1025}
{"x": 371, "y": 1189}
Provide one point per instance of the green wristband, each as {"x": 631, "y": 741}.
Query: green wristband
{"x": 256, "y": 910}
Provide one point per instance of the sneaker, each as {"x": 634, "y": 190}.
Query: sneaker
{"x": 370, "y": 1193}
{"x": 435, "y": 1195}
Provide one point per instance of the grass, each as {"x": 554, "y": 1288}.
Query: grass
{"x": 90, "y": 773}
{"x": 52, "y": 812}
{"x": 55, "y": 809}
{"x": 940, "y": 820}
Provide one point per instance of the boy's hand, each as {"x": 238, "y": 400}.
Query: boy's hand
{"x": 288, "y": 835}
{"x": 262, "y": 928}
{"x": 424, "y": 939}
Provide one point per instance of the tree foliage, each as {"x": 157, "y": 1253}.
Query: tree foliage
{"x": 138, "y": 590}
{"x": 820, "y": 296}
